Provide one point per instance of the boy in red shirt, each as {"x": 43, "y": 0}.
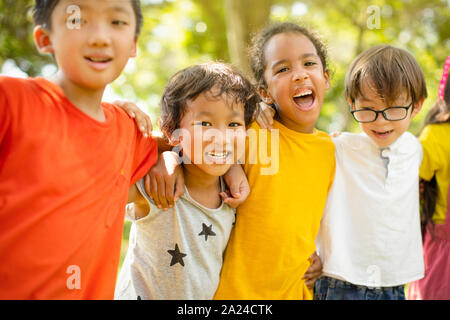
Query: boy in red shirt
{"x": 67, "y": 160}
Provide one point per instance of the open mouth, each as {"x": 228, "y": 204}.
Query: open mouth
{"x": 305, "y": 99}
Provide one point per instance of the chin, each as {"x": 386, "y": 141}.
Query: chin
{"x": 216, "y": 170}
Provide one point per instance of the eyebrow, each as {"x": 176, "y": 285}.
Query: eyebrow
{"x": 207, "y": 113}
{"x": 303, "y": 56}
{"x": 115, "y": 8}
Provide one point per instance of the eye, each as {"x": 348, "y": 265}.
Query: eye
{"x": 235, "y": 124}
{"x": 119, "y": 23}
{"x": 76, "y": 21}
{"x": 284, "y": 69}
{"x": 205, "y": 124}
{"x": 310, "y": 63}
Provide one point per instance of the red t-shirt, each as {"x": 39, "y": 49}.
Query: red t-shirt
{"x": 64, "y": 179}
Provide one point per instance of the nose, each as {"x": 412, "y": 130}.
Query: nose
{"x": 381, "y": 119}
{"x": 300, "y": 74}
{"x": 99, "y": 35}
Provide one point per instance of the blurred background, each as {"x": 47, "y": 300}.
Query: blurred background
{"x": 178, "y": 33}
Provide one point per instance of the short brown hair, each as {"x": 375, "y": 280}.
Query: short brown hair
{"x": 389, "y": 71}
{"x": 189, "y": 83}
{"x": 259, "y": 41}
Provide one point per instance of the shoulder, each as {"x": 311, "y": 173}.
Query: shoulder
{"x": 117, "y": 111}
{"x": 438, "y": 131}
{"x": 14, "y": 86}
{"x": 324, "y": 139}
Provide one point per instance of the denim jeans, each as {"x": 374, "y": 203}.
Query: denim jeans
{"x": 327, "y": 288}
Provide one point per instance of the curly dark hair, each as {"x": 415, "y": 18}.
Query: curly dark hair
{"x": 43, "y": 10}
{"x": 259, "y": 41}
{"x": 190, "y": 82}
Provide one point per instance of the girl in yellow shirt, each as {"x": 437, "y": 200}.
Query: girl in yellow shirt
{"x": 435, "y": 176}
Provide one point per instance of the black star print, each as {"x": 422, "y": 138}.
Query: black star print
{"x": 177, "y": 256}
{"x": 207, "y": 231}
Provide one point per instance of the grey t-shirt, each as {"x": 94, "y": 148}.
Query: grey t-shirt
{"x": 175, "y": 254}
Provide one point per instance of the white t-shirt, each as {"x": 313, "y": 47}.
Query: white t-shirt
{"x": 370, "y": 231}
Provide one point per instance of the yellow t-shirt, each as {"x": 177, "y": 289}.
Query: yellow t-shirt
{"x": 435, "y": 139}
{"x": 268, "y": 251}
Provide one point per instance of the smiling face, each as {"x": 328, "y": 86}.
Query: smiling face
{"x": 296, "y": 80}
{"x": 381, "y": 131}
{"x": 91, "y": 46}
{"x": 212, "y": 133}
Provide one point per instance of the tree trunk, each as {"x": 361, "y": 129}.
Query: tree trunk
{"x": 243, "y": 18}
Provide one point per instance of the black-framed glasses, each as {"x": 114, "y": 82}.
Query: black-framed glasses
{"x": 390, "y": 114}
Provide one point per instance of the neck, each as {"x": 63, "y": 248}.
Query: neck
{"x": 295, "y": 126}
{"x": 194, "y": 178}
{"x": 203, "y": 188}
{"x": 85, "y": 99}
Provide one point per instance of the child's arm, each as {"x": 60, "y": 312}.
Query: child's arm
{"x": 314, "y": 271}
{"x": 165, "y": 182}
{"x": 238, "y": 186}
{"x": 141, "y": 206}
{"x": 265, "y": 117}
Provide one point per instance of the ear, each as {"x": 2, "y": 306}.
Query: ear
{"x": 134, "y": 50}
{"x": 350, "y": 103}
{"x": 327, "y": 76}
{"x": 42, "y": 40}
{"x": 265, "y": 95}
{"x": 417, "y": 107}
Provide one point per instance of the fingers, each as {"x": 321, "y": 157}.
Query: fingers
{"x": 161, "y": 186}
{"x": 147, "y": 185}
{"x": 170, "y": 190}
{"x": 228, "y": 199}
{"x": 179, "y": 187}
{"x": 265, "y": 117}
{"x": 269, "y": 116}
{"x": 144, "y": 123}
{"x": 335, "y": 134}
{"x": 142, "y": 120}
{"x": 154, "y": 190}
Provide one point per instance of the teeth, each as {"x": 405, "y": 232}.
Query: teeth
{"x": 302, "y": 94}
{"x": 217, "y": 155}
{"x": 98, "y": 59}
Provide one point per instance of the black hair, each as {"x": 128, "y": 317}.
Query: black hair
{"x": 259, "y": 41}
{"x": 43, "y": 9}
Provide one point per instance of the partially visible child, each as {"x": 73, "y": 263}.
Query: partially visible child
{"x": 435, "y": 175}
{"x": 177, "y": 254}
{"x": 67, "y": 160}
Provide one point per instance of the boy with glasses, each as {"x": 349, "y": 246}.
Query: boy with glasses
{"x": 369, "y": 240}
